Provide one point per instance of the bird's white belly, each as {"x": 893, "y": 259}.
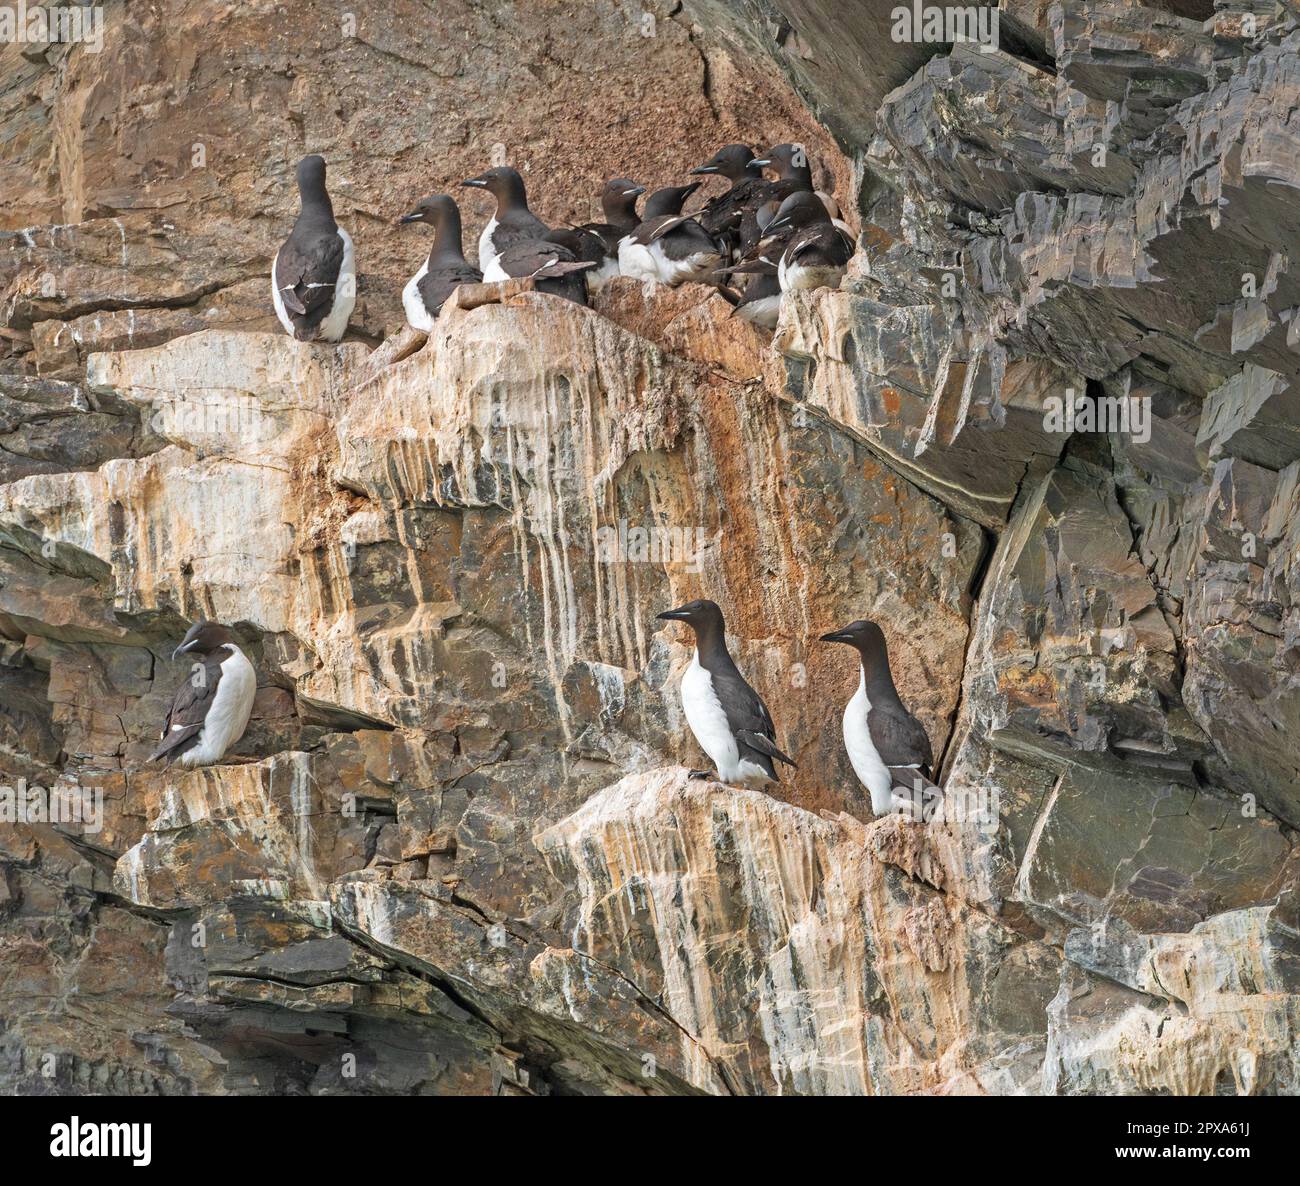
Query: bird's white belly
{"x": 708, "y": 721}
{"x": 801, "y": 277}
{"x": 637, "y": 260}
{"x": 598, "y": 277}
{"x": 866, "y": 760}
{"x": 335, "y": 324}
{"x": 227, "y": 718}
{"x": 277, "y": 300}
{"x": 766, "y": 311}
{"x": 488, "y": 256}
{"x": 694, "y": 267}
{"x": 417, "y": 316}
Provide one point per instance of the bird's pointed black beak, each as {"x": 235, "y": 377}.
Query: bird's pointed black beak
{"x": 632, "y": 193}
{"x": 777, "y": 224}
{"x": 474, "y": 183}
{"x": 836, "y": 636}
{"x": 703, "y": 170}
{"x": 673, "y": 615}
{"x": 760, "y": 162}
{"x": 414, "y": 216}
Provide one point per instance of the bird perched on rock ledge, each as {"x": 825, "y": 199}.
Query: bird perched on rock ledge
{"x": 210, "y": 710}
{"x": 728, "y": 718}
{"x": 445, "y": 270}
{"x": 887, "y": 746}
{"x": 313, "y": 278}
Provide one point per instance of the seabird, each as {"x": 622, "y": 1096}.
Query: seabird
{"x": 445, "y": 270}
{"x": 211, "y": 708}
{"x": 618, "y": 204}
{"x": 589, "y": 248}
{"x": 668, "y": 246}
{"x": 816, "y": 252}
{"x": 551, "y": 261}
{"x": 792, "y": 168}
{"x": 760, "y": 303}
{"x": 728, "y": 718}
{"x": 794, "y": 176}
{"x": 512, "y": 222}
{"x": 313, "y": 279}
{"x": 888, "y": 747}
{"x": 721, "y": 217}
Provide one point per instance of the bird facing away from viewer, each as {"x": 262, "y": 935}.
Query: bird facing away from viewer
{"x": 313, "y": 278}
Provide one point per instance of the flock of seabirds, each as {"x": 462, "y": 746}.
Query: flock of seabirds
{"x": 780, "y": 235}
{"x": 772, "y": 236}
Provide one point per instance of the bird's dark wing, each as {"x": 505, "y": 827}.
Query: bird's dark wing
{"x": 650, "y": 230}
{"x": 900, "y": 739}
{"x": 747, "y": 715}
{"x": 307, "y": 269}
{"x": 189, "y": 708}
{"x": 608, "y": 234}
{"x": 818, "y": 245}
{"x": 583, "y": 245}
{"x": 437, "y": 284}
{"x": 764, "y": 285}
{"x": 540, "y": 257}
{"x": 519, "y": 226}
{"x": 724, "y": 213}
{"x": 686, "y": 239}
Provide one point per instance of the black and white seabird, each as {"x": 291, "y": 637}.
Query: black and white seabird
{"x": 888, "y": 747}
{"x": 445, "y": 270}
{"x": 669, "y": 247}
{"x": 552, "y": 262}
{"x": 721, "y": 217}
{"x": 728, "y": 718}
{"x": 816, "y": 251}
{"x": 313, "y": 279}
{"x": 618, "y": 203}
{"x": 512, "y": 222}
{"x": 210, "y": 710}
{"x": 760, "y": 303}
{"x": 790, "y": 161}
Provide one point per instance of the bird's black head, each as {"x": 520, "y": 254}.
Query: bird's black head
{"x": 701, "y": 616}
{"x": 618, "y": 199}
{"x": 203, "y": 638}
{"x": 311, "y": 177}
{"x": 435, "y": 210}
{"x": 732, "y": 162}
{"x": 503, "y": 183}
{"x": 669, "y": 200}
{"x": 790, "y": 162}
{"x": 798, "y": 210}
{"x": 867, "y": 637}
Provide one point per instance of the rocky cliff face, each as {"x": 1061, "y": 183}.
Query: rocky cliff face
{"x": 457, "y": 851}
